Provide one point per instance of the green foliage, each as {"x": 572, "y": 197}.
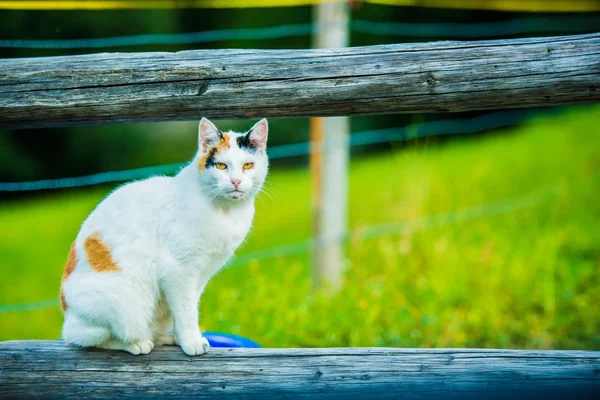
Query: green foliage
{"x": 525, "y": 279}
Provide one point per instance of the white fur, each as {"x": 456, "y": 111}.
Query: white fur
{"x": 169, "y": 235}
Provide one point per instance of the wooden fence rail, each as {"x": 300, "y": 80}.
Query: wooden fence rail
{"x": 46, "y": 369}
{"x": 400, "y": 78}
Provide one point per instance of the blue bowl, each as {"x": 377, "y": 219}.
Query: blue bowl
{"x": 218, "y": 339}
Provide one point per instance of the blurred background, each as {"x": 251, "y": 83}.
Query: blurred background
{"x": 478, "y": 229}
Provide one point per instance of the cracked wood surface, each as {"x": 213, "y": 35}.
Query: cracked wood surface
{"x": 400, "y": 78}
{"x": 50, "y": 369}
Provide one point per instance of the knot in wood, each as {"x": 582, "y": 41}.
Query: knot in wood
{"x": 202, "y": 88}
{"x": 431, "y": 81}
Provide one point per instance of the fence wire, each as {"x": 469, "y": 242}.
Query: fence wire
{"x": 494, "y": 120}
{"x": 360, "y": 234}
{"x": 445, "y": 127}
{"x": 529, "y": 25}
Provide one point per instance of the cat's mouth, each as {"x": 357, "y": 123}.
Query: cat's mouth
{"x": 236, "y": 194}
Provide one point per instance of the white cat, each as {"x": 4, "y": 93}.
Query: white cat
{"x": 143, "y": 257}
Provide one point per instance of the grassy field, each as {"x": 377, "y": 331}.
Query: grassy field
{"x": 478, "y": 242}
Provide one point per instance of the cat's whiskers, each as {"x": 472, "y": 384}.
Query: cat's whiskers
{"x": 263, "y": 190}
{"x": 213, "y": 194}
{"x": 272, "y": 188}
{"x": 271, "y": 192}
{"x": 215, "y": 190}
{"x": 260, "y": 198}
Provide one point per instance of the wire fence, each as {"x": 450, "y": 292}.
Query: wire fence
{"x": 275, "y": 32}
{"x": 489, "y": 121}
{"x": 529, "y": 25}
{"x": 360, "y": 234}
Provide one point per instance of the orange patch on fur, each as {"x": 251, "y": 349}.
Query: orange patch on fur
{"x": 69, "y": 268}
{"x": 63, "y": 302}
{"x": 98, "y": 254}
{"x": 222, "y": 145}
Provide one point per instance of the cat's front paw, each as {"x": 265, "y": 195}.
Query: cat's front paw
{"x": 195, "y": 347}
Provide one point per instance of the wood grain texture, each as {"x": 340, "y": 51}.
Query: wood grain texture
{"x": 401, "y": 78}
{"x": 47, "y": 369}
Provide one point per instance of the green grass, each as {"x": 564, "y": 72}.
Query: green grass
{"x": 521, "y": 273}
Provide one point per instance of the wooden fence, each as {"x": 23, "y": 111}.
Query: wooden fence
{"x": 432, "y": 77}
{"x": 38, "y": 369}
{"x": 400, "y": 78}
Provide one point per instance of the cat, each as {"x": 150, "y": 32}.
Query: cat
{"x": 142, "y": 258}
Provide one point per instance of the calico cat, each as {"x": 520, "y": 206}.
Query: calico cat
{"x": 142, "y": 258}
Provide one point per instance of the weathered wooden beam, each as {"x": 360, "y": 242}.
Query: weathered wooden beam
{"x": 46, "y": 369}
{"x": 400, "y": 78}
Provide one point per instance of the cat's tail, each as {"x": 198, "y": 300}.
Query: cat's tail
{"x": 79, "y": 332}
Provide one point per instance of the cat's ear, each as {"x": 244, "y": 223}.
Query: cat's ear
{"x": 208, "y": 135}
{"x": 257, "y": 136}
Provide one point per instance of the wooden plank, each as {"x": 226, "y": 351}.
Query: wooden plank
{"x": 400, "y": 78}
{"x": 50, "y": 369}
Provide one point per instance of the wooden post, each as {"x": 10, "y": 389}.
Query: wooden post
{"x": 329, "y": 163}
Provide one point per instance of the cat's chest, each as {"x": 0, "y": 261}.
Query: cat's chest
{"x": 208, "y": 237}
{"x": 222, "y": 232}
{"x": 229, "y": 228}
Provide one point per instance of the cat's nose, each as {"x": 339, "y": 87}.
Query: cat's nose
{"x": 236, "y": 182}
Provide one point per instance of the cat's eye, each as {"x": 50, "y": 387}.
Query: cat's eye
{"x": 248, "y": 165}
{"x": 221, "y": 165}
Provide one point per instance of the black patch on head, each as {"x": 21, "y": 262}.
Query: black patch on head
{"x": 210, "y": 159}
{"x": 244, "y": 143}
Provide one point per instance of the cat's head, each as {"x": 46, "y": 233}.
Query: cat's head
{"x": 232, "y": 166}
